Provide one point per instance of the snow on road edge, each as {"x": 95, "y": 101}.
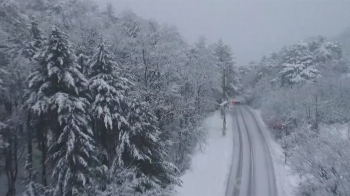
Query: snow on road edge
{"x": 210, "y": 168}
{"x": 285, "y": 180}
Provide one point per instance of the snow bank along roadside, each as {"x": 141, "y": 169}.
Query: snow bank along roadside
{"x": 286, "y": 181}
{"x": 210, "y": 167}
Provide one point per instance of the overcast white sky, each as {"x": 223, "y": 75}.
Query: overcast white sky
{"x": 252, "y": 28}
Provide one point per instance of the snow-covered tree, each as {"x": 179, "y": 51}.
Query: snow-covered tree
{"x": 13, "y": 71}
{"x": 127, "y": 132}
{"x": 325, "y": 51}
{"x": 12, "y": 117}
{"x": 298, "y": 65}
{"x": 88, "y": 40}
{"x": 225, "y": 62}
{"x": 270, "y": 61}
{"x": 120, "y": 181}
{"x": 142, "y": 146}
{"x": 323, "y": 163}
{"x": 13, "y": 29}
{"x": 108, "y": 107}
{"x": 303, "y": 61}
{"x": 35, "y": 43}
{"x": 297, "y": 73}
{"x": 34, "y": 189}
{"x": 296, "y": 54}
{"x": 154, "y": 56}
{"x": 31, "y": 48}
{"x": 123, "y": 180}
{"x": 203, "y": 77}
{"x": 38, "y": 5}
{"x": 58, "y": 91}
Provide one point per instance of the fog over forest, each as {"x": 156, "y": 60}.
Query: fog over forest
{"x": 252, "y": 28}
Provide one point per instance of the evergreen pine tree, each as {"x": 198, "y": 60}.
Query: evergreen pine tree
{"x": 35, "y": 43}
{"x": 142, "y": 147}
{"x": 61, "y": 100}
{"x": 126, "y": 130}
{"x": 298, "y": 64}
{"x": 108, "y": 106}
{"x": 34, "y": 122}
{"x": 34, "y": 189}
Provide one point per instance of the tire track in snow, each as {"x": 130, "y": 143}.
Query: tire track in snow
{"x": 251, "y": 182}
{"x": 236, "y": 190}
{"x": 272, "y": 178}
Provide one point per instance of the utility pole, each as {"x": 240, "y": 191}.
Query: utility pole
{"x": 224, "y": 99}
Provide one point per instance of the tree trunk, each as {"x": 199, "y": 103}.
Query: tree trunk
{"x": 43, "y": 165}
{"x": 11, "y": 163}
{"x": 29, "y": 164}
{"x": 41, "y": 133}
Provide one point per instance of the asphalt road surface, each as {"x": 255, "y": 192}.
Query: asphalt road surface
{"x": 251, "y": 172}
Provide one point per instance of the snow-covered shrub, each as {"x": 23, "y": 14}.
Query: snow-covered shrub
{"x": 122, "y": 181}
{"x": 324, "y": 162}
{"x": 295, "y": 139}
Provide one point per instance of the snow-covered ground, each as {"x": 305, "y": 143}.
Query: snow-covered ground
{"x": 210, "y": 167}
{"x": 286, "y": 180}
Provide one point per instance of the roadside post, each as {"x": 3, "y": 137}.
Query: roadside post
{"x": 223, "y": 115}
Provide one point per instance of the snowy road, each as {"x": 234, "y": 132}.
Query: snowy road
{"x": 251, "y": 172}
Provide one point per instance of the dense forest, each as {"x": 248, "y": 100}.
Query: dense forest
{"x": 303, "y": 94}
{"x": 95, "y": 102}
